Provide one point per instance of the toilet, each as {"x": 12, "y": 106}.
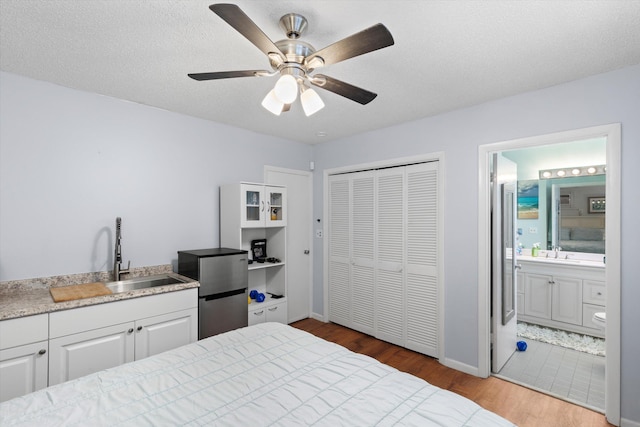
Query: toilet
{"x": 600, "y": 319}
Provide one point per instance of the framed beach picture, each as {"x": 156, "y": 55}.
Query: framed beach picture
{"x": 528, "y": 199}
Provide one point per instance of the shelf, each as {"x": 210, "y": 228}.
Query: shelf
{"x": 259, "y": 266}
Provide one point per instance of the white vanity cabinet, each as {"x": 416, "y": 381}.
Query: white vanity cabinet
{"x": 24, "y": 356}
{"x": 92, "y": 338}
{"x": 562, "y": 296}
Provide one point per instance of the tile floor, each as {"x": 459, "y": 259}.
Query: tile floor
{"x": 565, "y": 373}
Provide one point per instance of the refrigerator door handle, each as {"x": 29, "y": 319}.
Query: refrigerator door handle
{"x": 224, "y": 294}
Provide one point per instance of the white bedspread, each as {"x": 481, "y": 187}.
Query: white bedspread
{"x": 267, "y": 374}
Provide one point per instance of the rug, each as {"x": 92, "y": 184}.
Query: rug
{"x": 583, "y": 343}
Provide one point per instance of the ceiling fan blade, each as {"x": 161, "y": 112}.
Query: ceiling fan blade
{"x": 227, "y": 74}
{"x": 341, "y": 88}
{"x": 235, "y": 17}
{"x": 373, "y": 38}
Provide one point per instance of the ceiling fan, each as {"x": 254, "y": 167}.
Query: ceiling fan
{"x": 295, "y": 60}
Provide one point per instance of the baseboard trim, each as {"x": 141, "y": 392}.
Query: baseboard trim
{"x": 459, "y": 366}
{"x": 628, "y": 423}
{"x": 317, "y": 316}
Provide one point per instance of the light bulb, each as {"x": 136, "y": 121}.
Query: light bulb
{"x": 272, "y": 103}
{"x": 286, "y": 89}
{"x": 311, "y": 102}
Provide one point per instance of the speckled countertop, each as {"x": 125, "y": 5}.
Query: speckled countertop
{"x": 20, "y": 298}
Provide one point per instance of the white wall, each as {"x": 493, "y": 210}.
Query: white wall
{"x": 71, "y": 162}
{"x": 602, "y": 99}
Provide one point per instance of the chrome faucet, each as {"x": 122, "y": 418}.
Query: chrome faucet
{"x": 557, "y": 250}
{"x": 117, "y": 258}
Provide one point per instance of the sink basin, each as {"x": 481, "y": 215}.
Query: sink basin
{"x": 145, "y": 282}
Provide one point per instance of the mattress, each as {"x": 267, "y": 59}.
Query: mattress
{"x": 264, "y": 375}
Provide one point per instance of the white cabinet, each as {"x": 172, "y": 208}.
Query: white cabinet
{"x": 260, "y": 205}
{"x": 24, "y": 356}
{"x": 265, "y": 312}
{"x": 250, "y": 212}
{"x": 80, "y": 354}
{"x": 562, "y": 296}
{"x": 89, "y": 339}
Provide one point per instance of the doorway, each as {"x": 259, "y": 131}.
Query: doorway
{"x": 612, "y": 278}
{"x": 298, "y": 257}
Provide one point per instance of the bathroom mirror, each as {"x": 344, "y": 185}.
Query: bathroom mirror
{"x": 573, "y": 226}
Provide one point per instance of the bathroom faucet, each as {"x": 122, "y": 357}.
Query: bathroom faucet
{"x": 117, "y": 259}
{"x": 557, "y": 249}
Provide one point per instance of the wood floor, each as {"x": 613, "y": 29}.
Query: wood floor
{"x": 518, "y": 404}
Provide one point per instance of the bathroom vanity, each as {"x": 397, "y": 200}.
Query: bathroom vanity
{"x": 561, "y": 293}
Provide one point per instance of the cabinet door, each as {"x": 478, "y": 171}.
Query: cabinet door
{"x": 389, "y": 232}
{"x": 23, "y": 370}
{"x": 277, "y": 313}
{"x": 339, "y": 245}
{"x": 567, "y": 300}
{"x": 254, "y": 206}
{"x": 276, "y": 210}
{"x": 257, "y": 316}
{"x": 161, "y": 333}
{"x": 76, "y": 355}
{"x": 537, "y": 289}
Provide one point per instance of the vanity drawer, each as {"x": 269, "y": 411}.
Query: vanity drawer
{"x": 594, "y": 292}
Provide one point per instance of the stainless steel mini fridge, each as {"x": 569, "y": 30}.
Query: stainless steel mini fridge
{"x": 222, "y": 296}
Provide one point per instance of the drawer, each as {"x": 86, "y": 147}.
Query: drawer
{"x": 594, "y": 292}
{"x": 24, "y": 330}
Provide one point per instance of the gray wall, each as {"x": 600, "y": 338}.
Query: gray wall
{"x": 602, "y": 99}
{"x": 71, "y": 161}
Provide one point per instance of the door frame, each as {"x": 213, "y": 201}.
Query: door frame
{"x": 613, "y": 190}
{"x": 309, "y": 175}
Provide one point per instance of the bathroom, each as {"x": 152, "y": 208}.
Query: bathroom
{"x": 561, "y": 266}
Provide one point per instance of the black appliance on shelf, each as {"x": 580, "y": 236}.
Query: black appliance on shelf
{"x": 222, "y": 296}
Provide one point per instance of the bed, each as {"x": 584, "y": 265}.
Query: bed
{"x": 266, "y": 374}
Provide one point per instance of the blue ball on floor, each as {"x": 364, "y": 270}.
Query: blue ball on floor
{"x": 522, "y": 346}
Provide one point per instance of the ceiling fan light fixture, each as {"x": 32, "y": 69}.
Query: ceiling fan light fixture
{"x": 311, "y": 102}
{"x": 272, "y": 104}
{"x": 286, "y": 89}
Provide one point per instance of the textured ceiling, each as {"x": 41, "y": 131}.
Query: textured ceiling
{"x": 447, "y": 54}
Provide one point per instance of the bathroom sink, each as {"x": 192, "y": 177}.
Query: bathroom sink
{"x": 145, "y": 282}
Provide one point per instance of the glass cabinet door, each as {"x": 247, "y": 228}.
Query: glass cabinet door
{"x": 253, "y": 205}
{"x": 276, "y": 206}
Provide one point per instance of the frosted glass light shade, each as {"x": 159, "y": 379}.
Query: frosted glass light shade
{"x": 272, "y": 103}
{"x": 286, "y": 89}
{"x": 311, "y": 102}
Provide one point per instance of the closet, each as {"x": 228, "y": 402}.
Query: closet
{"x": 383, "y": 267}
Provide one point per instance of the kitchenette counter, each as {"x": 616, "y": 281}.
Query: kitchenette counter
{"x": 28, "y": 297}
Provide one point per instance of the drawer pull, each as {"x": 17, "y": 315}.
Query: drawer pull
{"x": 273, "y": 308}
{"x": 139, "y": 328}
{"x": 41, "y": 352}
{"x": 130, "y": 331}
{"x": 258, "y": 313}
{"x": 599, "y": 293}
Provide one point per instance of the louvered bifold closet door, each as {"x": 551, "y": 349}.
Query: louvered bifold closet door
{"x": 390, "y": 256}
{"x": 339, "y": 241}
{"x": 422, "y": 259}
{"x": 362, "y": 251}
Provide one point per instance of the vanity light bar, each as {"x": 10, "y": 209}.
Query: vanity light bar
{"x": 573, "y": 171}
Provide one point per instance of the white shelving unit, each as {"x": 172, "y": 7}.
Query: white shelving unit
{"x": 248, "y": 212}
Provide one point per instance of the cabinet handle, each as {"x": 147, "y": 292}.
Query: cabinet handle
{"x": 139, "y": 328}
{"x": 43, "y": 351}
{"x": 599, "y": 293}
{"x": 273, "y": 308}
{"x": 258, "y": 313}
{"x": 262, "y": 203}
{"x": 130, "y": 331}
